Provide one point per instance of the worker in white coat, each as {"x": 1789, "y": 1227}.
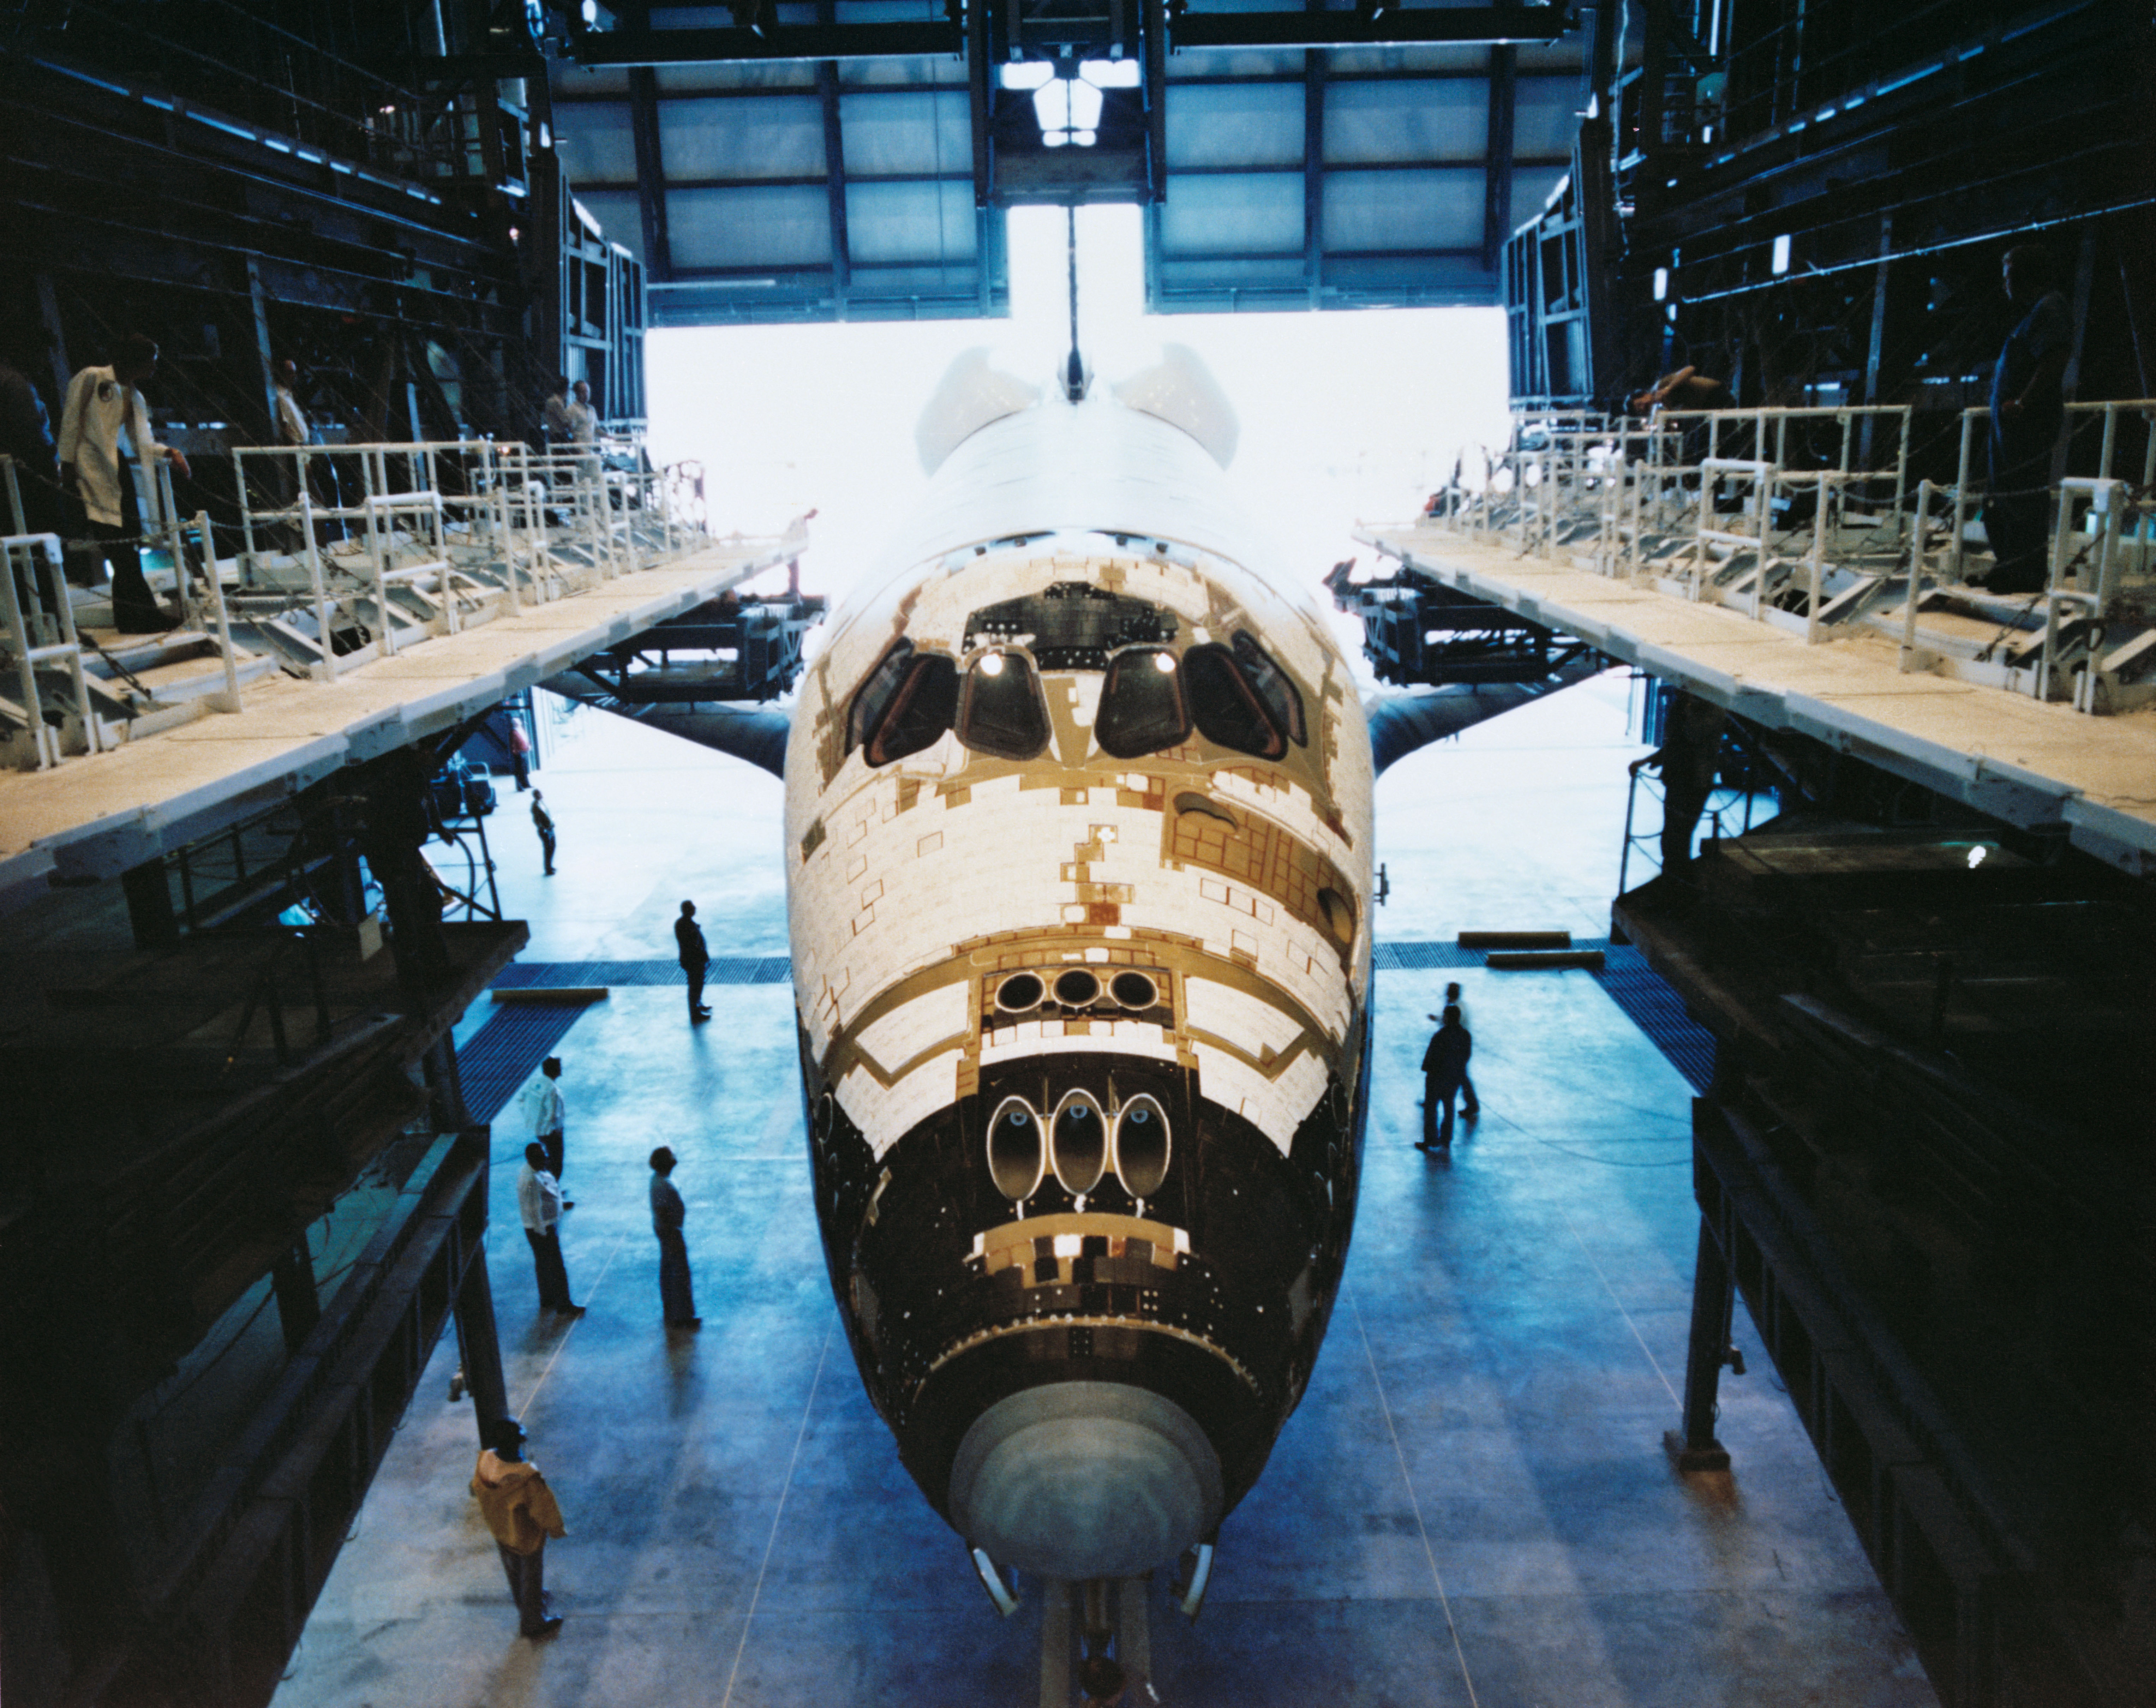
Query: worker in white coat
{"x": 105, "y": 446}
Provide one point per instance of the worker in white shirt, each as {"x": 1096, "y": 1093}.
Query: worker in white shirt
{"x": 104, "y": 444}
{"x": 583, "y": 419}
{"x": 539, "y": 1203}
{"x": 292, "y": 426}
{"x": 550, "y": 1117}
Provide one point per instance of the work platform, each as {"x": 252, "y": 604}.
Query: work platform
{"x": 2027, "y": 761}
{"x": 105, "y": 812}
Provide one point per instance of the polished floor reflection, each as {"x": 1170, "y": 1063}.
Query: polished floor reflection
{"x": 1472, "y": 1506}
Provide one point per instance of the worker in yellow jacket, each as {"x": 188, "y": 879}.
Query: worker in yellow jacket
{"x": 521, "y": 1510}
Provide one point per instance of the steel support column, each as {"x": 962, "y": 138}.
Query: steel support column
{"x": 834, "y": 171}
{"x": 1694, "y": 1448}
{"x": 651, "y": 169}
{"x": 479, "y": 1341}
{"x": 1498, "y": 169}
{"x": 1314, "y": 66}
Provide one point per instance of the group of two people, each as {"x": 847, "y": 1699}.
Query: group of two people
{"x": 541, "y": 1204}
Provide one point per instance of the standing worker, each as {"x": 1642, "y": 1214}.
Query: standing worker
{"x": 292, "y": 426}
{"x": 539, "y": 1201}
{"x": 1444, "y": 1067}
{"x": 104, "y": 442}
{"x": 554, "y": 414}
{"x": 2028, "y": 407}
{"x": 520, "y": 753}
{"x": 677, "y": 1298}
{"x": 521, "y": 1512}
{"x": 1471, "y": 1105}
{"x": 549, "y": 1119}
{"x": 543, "y": 821}
{"x": 583, "y": 419}
{"x": 695, "y": 960}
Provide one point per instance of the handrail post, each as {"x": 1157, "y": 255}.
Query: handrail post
{"x": 315, "y": 583}
{"x": 1817, "y": 564}
{"x": 229, "y": 699}
{"x": 1916, "y": 577}
{"x": 1961, "y": 496}
{"x": 42, "y": 739}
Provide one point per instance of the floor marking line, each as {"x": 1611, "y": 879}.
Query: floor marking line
{"x": 1385, "y": 1406}
{"x": 1653, "y": 1363}
{"x": 562, "y": 1345}
{"x": 772, "y": 1541}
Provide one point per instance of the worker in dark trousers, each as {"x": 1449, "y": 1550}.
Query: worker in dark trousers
{"x": 1471, "y": 1105}
{"x": 520, "y": 1512}
{"x": 695, "y": 960}
{"x": 543, "y": 821}
{"x": 1444, "y": 1071}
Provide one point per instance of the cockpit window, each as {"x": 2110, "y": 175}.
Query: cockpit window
{"x": 907, "y": 704}
{"x": 1003, "y": 713}
{"x": 1282, "y": 698}
{"x": 873, "y": 698}
{"x": 1141, "y": 704}
{"x": 1227, "y": 706}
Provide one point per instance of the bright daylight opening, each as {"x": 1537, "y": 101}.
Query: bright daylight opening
{"x": 1344, "y": 416}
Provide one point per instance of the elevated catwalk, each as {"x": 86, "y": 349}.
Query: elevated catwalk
{"x": 1472, "y": 1506}
{"x": 2025, "y": 761}
{"x": 99, "y": 815}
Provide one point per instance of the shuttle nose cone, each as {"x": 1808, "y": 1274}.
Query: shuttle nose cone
{"x": 1079, "y": 1479}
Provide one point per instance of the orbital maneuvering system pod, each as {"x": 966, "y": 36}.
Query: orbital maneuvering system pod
{"x": 1078, "y": 819}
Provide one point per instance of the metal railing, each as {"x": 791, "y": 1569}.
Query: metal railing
{"x": 1805, "y": 518}
{"x": 340, "y": 554}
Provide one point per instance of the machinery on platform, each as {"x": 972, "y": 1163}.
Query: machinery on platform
{"x": 1079, "y": 856}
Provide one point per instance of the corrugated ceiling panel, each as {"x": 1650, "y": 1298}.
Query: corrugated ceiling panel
{"x": 718, "y": 79}
{"x": 573, "y": 81}
{"x": 1564, "y": 54}
{"x": 1349, "y": 61}
{"x": 780, "y": 225}
{"x": 1242, "y": 212}
{"x": 1286, "y": 270}
{"x": 619, "y": 215}
{"x": 916, "y": 222}
{"x": 1246, "y": 124}
{"x": 595, "y": 144}
{"x": 1236, "y": 62}
{"x": 923, "y": 132}
{"x": 1545, "y": 115}
{"x": 905, "y": 74}
{"x": 1438, "y": 209}
{"x": 772, "y": 136}
{"x": 1531, "y": 187}
{"x": 1366, "y": 122}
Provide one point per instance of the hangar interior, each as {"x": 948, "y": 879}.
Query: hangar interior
{"x": 1866, "y": 854}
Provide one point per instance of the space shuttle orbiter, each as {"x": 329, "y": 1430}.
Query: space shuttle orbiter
{"x": 1078, "y": 820}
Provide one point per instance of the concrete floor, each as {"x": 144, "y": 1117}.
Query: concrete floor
{"x": 1472, "y": 1506}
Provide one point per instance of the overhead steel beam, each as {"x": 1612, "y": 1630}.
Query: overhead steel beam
{"x": 1457, "y": 25}
{"x": 1497, "y": 190}
{"x": 650, "y": 170}
{"x": 783, "y": 41}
